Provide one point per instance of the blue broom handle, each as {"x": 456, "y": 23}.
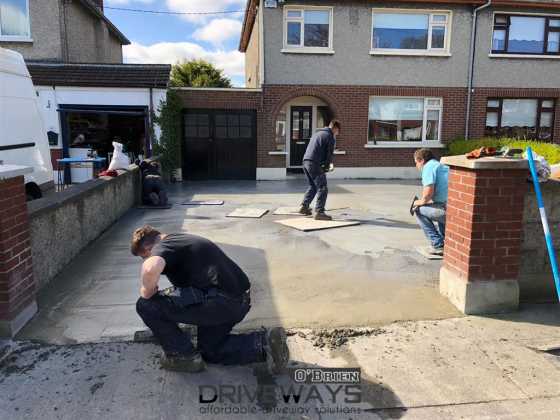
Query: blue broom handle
{"x": 544, "y": 220}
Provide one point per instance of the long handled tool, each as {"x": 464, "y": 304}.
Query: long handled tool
{"x": 544, "y": 220}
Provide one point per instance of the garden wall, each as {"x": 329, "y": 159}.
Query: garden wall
{"x": 536, "y": 281}
{"x": 64, "y": 223}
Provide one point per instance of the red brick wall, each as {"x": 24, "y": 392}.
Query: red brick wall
{"x": 484, "y": 223}
{"x": 17, "y": 287}
{"x": 480, "y": 99}
{"x": 350, "y": 104}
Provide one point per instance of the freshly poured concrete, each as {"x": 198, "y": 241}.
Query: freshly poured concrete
{"x": 356, "y": 276}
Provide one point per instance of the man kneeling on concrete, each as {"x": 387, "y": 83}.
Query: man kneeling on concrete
{"x": 430, "y": 209}
{"x": 209, "y": 291}
{"x": 317, "y": 161}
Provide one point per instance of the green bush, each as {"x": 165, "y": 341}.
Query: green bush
{"x": 168, "y": 148}
{"x": 551, "y": 152}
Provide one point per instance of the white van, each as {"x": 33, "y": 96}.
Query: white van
{"x": 23, "y": 138}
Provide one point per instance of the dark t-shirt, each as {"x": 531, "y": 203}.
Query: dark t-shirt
{"x": 192, "y": 261}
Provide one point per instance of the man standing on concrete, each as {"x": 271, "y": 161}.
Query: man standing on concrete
{"x": 209, "y": 291}
{"x": 430, "y": 209}
{"x": 317, "y": 161}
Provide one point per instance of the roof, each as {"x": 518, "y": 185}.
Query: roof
{"x": 92, "y": 8}
{"x": 251, "y": 11}
{"x": 100, "y": 75}
{"x": 248, "y": 23}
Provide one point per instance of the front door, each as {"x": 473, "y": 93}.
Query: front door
{"x": 301, "y": 123}
{"x": 219, "y": 144}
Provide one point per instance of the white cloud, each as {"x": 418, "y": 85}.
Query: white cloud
{"x": 187, "y": 6}
{"x": 232, "y": 62}
{"x": 218, "y": 31}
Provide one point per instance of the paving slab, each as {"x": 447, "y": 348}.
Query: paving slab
{"x": 248, "y": 213}
{"x": 309, "y": 224}
{"x": 203, "y": 203}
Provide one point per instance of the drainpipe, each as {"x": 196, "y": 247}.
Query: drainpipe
{"x": 471, "y": 65}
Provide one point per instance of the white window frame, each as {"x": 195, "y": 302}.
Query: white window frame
{"x": 301, "y": 48}
{"x": 436, "y": 52}
{"x": 408, "y": 144}
{"x": 19, "y": 38}
{"x": 513, "y": 55}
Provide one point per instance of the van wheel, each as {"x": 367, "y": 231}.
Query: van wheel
{"x": 32, "y": 192}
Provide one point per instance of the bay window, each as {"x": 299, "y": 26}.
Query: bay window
{"x": 308, "y": 28}
{"x": 14, "y": 19}
{"x": 404, "y": 119}
{"x": 410, "y": 31}
{"x": 532, "y": 35}
{"x": 520, "y": 118}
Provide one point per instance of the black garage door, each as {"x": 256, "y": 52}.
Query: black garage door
{"x": 219, "y": 144}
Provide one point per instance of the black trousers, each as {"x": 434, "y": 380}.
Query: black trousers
{"x": 215, "y": 317}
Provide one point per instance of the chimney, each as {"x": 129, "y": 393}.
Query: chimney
{"x": 98, "y": 3}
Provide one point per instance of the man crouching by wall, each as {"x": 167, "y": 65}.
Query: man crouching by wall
{"x": 209, "y": 291}
{"x": 431, "y": 208}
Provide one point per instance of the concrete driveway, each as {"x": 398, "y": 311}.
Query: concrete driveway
{"x": 355, "y": 276}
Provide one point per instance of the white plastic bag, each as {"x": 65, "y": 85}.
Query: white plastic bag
{"x": 542, "y": 166}
{"x": 119, "y": 159}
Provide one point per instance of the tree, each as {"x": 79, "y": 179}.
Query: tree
{"x": 198, "y": 73}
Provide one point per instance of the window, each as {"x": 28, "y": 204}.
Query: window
{"x": 516, "y": 34}
{"x": 404, "y": 119}
{"x": 14, "y": 19}
{"x": 197, "y": 126}
{"x": 410, "y": 32}
{"x": 309, "y": 28}
{"x": 520, "y": 118}
{"x": 236, "y": 126}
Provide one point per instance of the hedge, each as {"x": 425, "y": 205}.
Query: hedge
{"x": 551, "y": 152}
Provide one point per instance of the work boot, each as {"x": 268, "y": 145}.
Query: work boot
{"x": 322, "y": 216}
{"x": 276, "y": 349}
{"x": 305, "y": 210}
{"x": 192, "y": 363}
{"x": 436, "y": 251}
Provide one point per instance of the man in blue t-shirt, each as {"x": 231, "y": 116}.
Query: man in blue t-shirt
{"x": 430, "y": 209}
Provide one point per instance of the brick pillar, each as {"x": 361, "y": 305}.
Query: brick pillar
{"x": 17, "y": 286}
{"x": 483, "y": 233}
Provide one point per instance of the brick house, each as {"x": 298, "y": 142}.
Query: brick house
{"x": 397, "y": 75}
{"x": 88, "y": 97}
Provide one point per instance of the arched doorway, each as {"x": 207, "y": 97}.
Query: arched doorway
{"x": 296, "y": 122}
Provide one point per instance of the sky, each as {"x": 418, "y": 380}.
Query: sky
{"x": 159, "y": 38}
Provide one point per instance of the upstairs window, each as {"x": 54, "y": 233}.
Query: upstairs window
{"x": 14, "y": 19}
{"x": 516, "y": 34}
{"x": 308, "y": 28}
{"x": 520, "y": 118}
{"x": 410, "y": 32}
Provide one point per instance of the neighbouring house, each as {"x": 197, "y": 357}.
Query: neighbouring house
{"x": 88, "y": 96}
{"x": 397, "y": 74}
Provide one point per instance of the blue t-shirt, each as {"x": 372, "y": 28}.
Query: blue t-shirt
{"x": 436, "y": 174}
